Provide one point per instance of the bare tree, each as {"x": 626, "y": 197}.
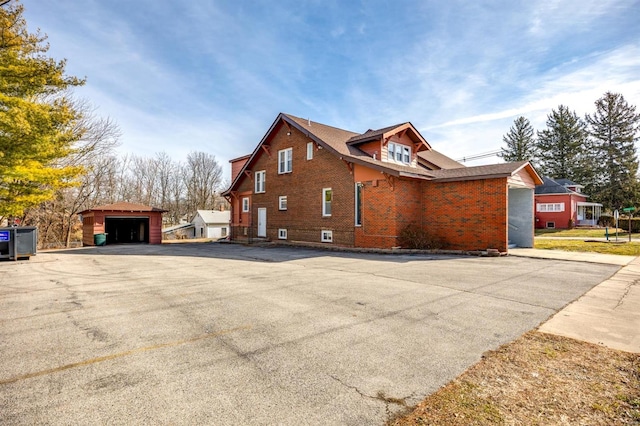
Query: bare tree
{"x": 203, "y": 179}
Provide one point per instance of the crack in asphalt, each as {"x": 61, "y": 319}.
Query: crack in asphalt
{"x": 380, "y": 396}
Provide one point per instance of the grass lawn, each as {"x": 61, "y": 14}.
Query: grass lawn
{"x": 539, "y": 379}
{"x": 587, "y": 233}
{"x": 623, "y": 248}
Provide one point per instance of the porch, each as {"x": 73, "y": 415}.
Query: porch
{"x": 588, "y": 214}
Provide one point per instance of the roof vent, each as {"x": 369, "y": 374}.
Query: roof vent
{"x": 309, "y": 122}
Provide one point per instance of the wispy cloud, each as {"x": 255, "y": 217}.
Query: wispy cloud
{"x": 213, "y": 75}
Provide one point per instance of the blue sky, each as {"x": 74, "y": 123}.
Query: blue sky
{"x": 180, "y": 76}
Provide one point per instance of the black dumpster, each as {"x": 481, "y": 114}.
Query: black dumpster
{"x": 18, "y": 242}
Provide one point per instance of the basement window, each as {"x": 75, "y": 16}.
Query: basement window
{"x": 326, "y": 236}
{"x": 282, "y": 234}
{"x": 551, "y": 224}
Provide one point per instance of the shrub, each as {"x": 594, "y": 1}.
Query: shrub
{"x": 623, "y": 223}
{"x": 413, "y": 236}
{"x": 606, "y": 220}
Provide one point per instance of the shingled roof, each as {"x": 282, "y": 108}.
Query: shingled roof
{"x": 481, "y": 172}
{"x": 124, "y": 206}
{"x": 371, "y": 135}
{"x": 551, "y": 186}
{"x": 433, "y": 159}
{"x": 344, "y": 144}
{"x": 336, "y": 140}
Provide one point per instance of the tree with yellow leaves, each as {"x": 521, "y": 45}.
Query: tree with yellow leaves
{"x": 38, "y": 119}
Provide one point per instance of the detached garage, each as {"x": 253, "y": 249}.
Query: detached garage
{"x": 122, "y": 223}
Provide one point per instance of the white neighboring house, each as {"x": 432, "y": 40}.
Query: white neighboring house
{"x": 211, "y": 223}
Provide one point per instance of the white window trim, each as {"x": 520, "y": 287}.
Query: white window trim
{"x": 280, "y": 202}
{"x": 282, "y": 234}
{"x": 394, "y": 149}
{"x": 285, "y": 161}
{"x": 324, "y": 203}
{"x": 245, "y": 204}
{"x": 326, "y": 236}
{"x": 309, "y": 150}
{"x": 549, "y": 207}
{"x": 260, "y": 177}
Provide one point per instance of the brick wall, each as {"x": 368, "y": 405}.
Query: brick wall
{"x": 467, "y": 215}
{"x": 303, "y": 187}
{"x": 388, "y": 206}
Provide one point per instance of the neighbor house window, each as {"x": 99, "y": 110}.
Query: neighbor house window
{"x": 282, "y": 234}
{"x": 327, "y": 198}
{"x": 223, "y": 232}
{"x": 309, "y": 150}
{"x": 285, "y": 159}
{"x": 245, "y": 204}
{"x": 326, "y": 236}
{"x": 260, "y": 179}
{"x": 282, "y": 202}
{"x": 550, "y": 207}
{"x": 399, "y": 153}
{"x": 358, "y": 204}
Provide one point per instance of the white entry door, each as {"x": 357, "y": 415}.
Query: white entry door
{"x": 262, "y": 222}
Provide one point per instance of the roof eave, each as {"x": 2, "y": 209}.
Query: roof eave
{"x": 280, "y": 116}
{"x": 473, "y": 177}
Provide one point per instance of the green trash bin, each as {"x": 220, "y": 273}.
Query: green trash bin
{"x": 100, "y": 239}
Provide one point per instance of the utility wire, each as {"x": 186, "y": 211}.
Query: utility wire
{"x": 479, "y": 156}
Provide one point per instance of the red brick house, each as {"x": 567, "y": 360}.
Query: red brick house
{"x": 122, "y": 223}
{"x": 309, "y": 182}
{"x": 561, "y": 204}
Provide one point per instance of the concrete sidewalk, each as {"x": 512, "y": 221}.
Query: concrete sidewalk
{"x": 608, "y": 314}
{"x": 608, "y": 259}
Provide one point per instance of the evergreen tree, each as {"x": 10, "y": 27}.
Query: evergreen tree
{"x": 521, "y": 144}
{"x": 562, "y": 147}
{"x": 37, "y": 119}
{"x": 614, "y": 130}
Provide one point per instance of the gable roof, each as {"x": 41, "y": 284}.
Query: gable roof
{"x": 343, "y": 144}
{"x": 214, "y": 216}
{"x": 485, "y": 172}
{"x": 124, "y": 206}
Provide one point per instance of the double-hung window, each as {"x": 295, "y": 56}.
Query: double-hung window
{"x": 260, "y": 181}
{"x": 285, "y": 161}
{"x": 282, "y": 202}
{"x": 327, "y": 198}
{"x": 245, "y": 204}
{"x": 399, "y": 153}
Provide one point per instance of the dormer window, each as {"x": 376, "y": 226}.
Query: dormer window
{"x": 399, "y": 153}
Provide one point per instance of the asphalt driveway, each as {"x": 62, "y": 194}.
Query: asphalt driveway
{"x": 225, "y": 334}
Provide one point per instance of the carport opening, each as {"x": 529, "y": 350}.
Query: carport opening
{"x": 130, "y": 230}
